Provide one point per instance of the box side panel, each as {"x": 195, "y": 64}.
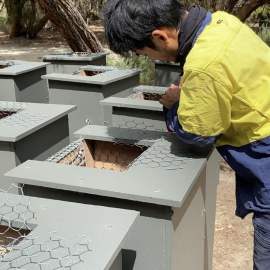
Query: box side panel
{"x": 100, "y": 61}
{"x": 188, "y": 241}
{"x": 165, "y": 75}
{"x": 108, "y": 110}
{"x": 140, "y": 119}
{"x": 8, "y": 91}
{"x": 31, "y": 88}
{"x": 8, "y": 162}
{"x": 122, "y": 88}
{"x": 149, "y": 237}
{"x": 69, "y": 67}
{"x": 117, "y": 264}
{"x": 89, "y": 110}
{"x": 87, "y": 98}
{"x": 212, "y": 180}
{"x": 44, "y": 142}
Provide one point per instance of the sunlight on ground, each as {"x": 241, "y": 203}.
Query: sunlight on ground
{"x": 16, "y": 51}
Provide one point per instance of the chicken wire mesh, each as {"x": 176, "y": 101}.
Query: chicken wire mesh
{"x": 117, "y": 156}
{"x": 130, "y": 123}
{"x": 99, "y": 154}
{"x": 78, "y": 54}
{"x": 160, "y": 155}
{"x": 9, "y": 108}
{"x": 87, "y": 73}
{"x": 128, "y": 117}
{"x": 15, "y": 114}
{"x": 16, "y": 220}
{"x": 148, "y": 92}
{"x": 41, "y": 253}
{"x": 20, "y": 250}
{"x": 4, "y": 114}
{"x": 146, "y": 96}
{"x": 5, "y": 64}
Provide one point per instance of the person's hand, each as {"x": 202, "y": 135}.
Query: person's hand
{"x": 171, "y": 96}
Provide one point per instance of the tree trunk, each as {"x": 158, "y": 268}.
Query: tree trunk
{"x": 14, "y": 16}
{"x": 230, "y": 5}
{"x": 24, "y": 18}
{"x": 34, "y": 20}
{"x": 64, "y": 15}
{"x": 244, "y": 11}
{"x": 240, "y": 8}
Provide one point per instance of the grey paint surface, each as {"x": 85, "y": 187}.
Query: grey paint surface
{"x": 171, "y": 165}
{"x": 130, "y": 112}
{"x": 134, "y": 113}
{"x": 132, "y": 103}
{"x": 105, "y": 236}
{"x": 86, "y": 92}
{"x": 36, "y": 131}
{"x": 29, "y": 117}
{"x": 70, "y": 62}
{"x": 105, "y": 78}
{"x": 21, "y": 67}
{"x": 166, "y": 73}
{"x": 21, "y": 82}
{"x": 168, "y": 184}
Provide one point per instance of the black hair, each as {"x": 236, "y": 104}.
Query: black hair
{"x": 130, "y": 23}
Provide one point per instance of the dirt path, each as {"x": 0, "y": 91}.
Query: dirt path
{"x": 233, "y": 237}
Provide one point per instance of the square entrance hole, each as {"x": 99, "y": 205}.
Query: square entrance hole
{"x": 146, "y": 96}
{"x": 81, "y": 54}
{"x": 4, "y": 66}
{"x": 10, "y": 237}
{"x": 103, "y": 155}
{"x": 90, "y": 73}
{"x": 4, "y": 114}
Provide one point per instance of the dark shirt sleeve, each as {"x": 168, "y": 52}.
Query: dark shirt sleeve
{"x": 174, "y": 126}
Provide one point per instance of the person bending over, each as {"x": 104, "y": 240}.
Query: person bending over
{"x": 224, "y": 93}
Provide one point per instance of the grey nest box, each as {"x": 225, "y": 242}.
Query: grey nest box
{"x": 68, "y": 62}
{"x": 30, "y": 131}
{"x": 21, "y": 81}
{"x": 86, "y": 88}
{"x": 172, "y": 187}
{"x": 139, "y": 110}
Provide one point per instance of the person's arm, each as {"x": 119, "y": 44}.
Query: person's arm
{"x": 173, "y": 125}
{"x": 204, "y": 111}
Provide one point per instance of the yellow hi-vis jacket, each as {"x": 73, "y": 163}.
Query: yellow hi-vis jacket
{"x": 225, "y": 89}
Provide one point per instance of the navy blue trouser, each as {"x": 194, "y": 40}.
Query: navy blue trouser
{"x": 261, "y": 223}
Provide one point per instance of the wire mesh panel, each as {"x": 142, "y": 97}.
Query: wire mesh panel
{"x": 78, "y": 54}
{"x": 87, "y": 73}
{"x": 16, "y": 221}
{"x": 22, "y": 250}
{"x": 4, "y": 114}
{"x": 98, "y": 154}
{"x": 146, "y": 96}
{"x": 9, "y": 108}
{"x": 161, "y": 156}
{"x": 140, "y": 110}
{"x": 43, "y": 253}
{"x": 5, "y": 64}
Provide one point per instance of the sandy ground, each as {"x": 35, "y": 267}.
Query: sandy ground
{"x": 233, "y": 237}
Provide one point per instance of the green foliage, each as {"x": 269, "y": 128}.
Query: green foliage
{"x": 260, "y": 22}
{"x": 2, "y": 20}
{"x": 3, "y": 24}
{"x": 264, "y": 33}
{"x": 261, "y": 16}
{"x": 143, "y": 63}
